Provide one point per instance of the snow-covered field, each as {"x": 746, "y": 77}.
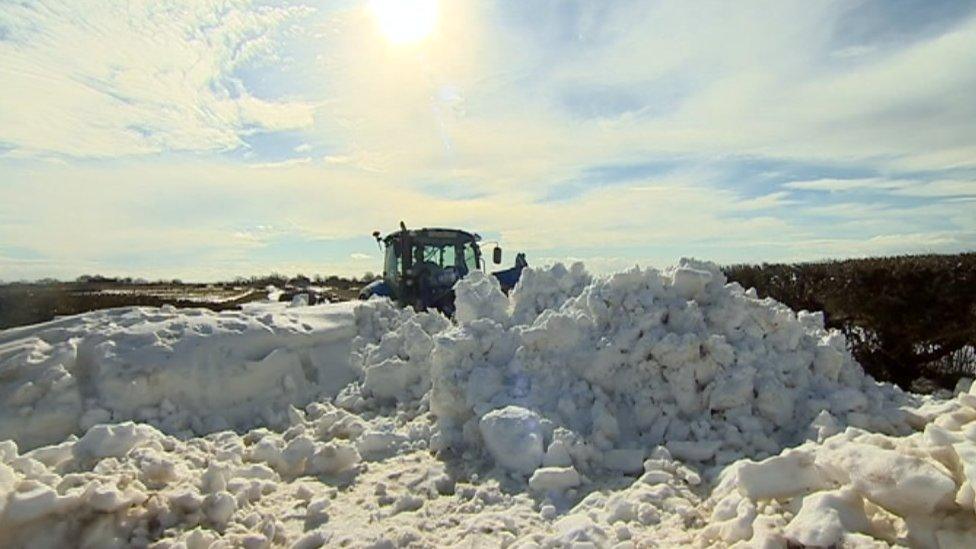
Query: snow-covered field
{"x": 643, "y": 409}
{"x": 181, "y": 294}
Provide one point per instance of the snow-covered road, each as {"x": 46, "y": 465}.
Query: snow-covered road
{"x": 643, "y": 409}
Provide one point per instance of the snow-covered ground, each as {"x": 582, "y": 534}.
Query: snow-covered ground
{"x": 181, "y": 294}
{"x": 643, "y": 409}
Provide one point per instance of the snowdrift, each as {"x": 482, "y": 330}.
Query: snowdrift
{"x": 648, "y": 407}
{"x": 185, "y": 371}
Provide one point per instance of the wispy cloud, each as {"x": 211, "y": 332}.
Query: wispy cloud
{"x": 939, "y": 188}
{"x": 841, "y": 185}
{"x": 107, "y": 80}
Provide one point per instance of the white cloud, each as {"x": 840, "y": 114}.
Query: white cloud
{"x": 902, "y": 187}
{"x": 105, "y": 79}
{"x": 940, "y": 188}
{"x": 281, "y": 163}
{"x": 840, "y": 185}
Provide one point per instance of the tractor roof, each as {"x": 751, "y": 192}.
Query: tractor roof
{"x": 437, "y": 235}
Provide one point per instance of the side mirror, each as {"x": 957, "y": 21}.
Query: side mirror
{"x": 376, "y": 235}
{"x": 496, "y": 255}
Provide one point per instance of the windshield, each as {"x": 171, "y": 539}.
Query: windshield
{"x": 462, "y": 257}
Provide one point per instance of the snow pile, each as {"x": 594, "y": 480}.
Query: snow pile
{"x": 314, "y": 484}
{"x": 129, "y": 483}
{"x": 392, "y": 351}
{"x": 646, "y": 408}
{"x": 857, "y": 487}
{"x": 189, "y": 371}
{"x": 605, "y": 370}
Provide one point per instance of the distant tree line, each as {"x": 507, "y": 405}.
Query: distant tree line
{"x": 301, "y": 280}
{"x": 906, "y": 318}
{"x": 256, "y": 281}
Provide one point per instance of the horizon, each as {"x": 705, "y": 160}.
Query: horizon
{"x": 213, "y": 139}
{"x": 314, "y": 276}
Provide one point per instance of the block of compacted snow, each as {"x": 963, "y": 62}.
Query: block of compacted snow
{"x": 557, "y": 454}
{"x": 689, "y": 283}
{"x": 389, "y": 378}
{"x": 220, "y": 507}
{"x": 904, "y": 484}
{"x": 33, "y": 500}
{"x": 332, "y": 458}
{"x": 379, "y": 443}
{"x": 732, "y": 519}
{"x": 108, "y": 497}
{"x": 733, "y": 389}
{"x": 786, "y": 475}
{"x": 579, "y": 530}
{"x": 479, "y": 295}
{"x": 823, "y": 426}
{"x": 774, "y": 401}
{"x": 7, "y": 481}
{"x": 513, "y": 436}
{"x": 825, "y": 517}
{"x": 828, "y": 362}
{"x": 554, "y": 479}
{"x": 103, "y": 441}
{"x": 966, "y": 452}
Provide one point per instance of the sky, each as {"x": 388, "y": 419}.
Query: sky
{"x": 205, "y": 139}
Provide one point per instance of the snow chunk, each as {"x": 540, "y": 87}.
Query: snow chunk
{"x": 554, "y": 479}
{"x": 785, "y": 475}
{"x": 103, "y": 441}
{"x": 825, "y": 517}
{"x": 513, "y": 436}
{"x": 688, "y": 282}
{"x": 479, "y": 295}
{"x": 903, "y": 484}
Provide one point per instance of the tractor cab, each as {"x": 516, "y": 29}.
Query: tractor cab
{"x": 421, "y": 266}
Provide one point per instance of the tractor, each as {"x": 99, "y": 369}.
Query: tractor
{"x": 421, "y": 266}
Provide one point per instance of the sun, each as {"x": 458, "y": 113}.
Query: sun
{"x": 405, "y": 21}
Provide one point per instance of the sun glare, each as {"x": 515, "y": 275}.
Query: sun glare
{"x": 405, "y": 21}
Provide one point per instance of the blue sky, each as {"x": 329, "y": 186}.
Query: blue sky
{"x": 205, "y": 139}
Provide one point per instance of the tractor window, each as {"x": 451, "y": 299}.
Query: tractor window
{"x": 462, "y": 257}
{"x": 447, "y": 257}
{"x": 432, "y": 254}
{"x": 470, "y": 257}
{"x": 392, "y": 264}
{"x": 442, "y": 256}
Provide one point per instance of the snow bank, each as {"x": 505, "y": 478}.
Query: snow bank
{"x": 615, "y": 366}
{"x": 191, "y": 370}
{"x": 857, "y": 486}
{"x": 646, "y": 408}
